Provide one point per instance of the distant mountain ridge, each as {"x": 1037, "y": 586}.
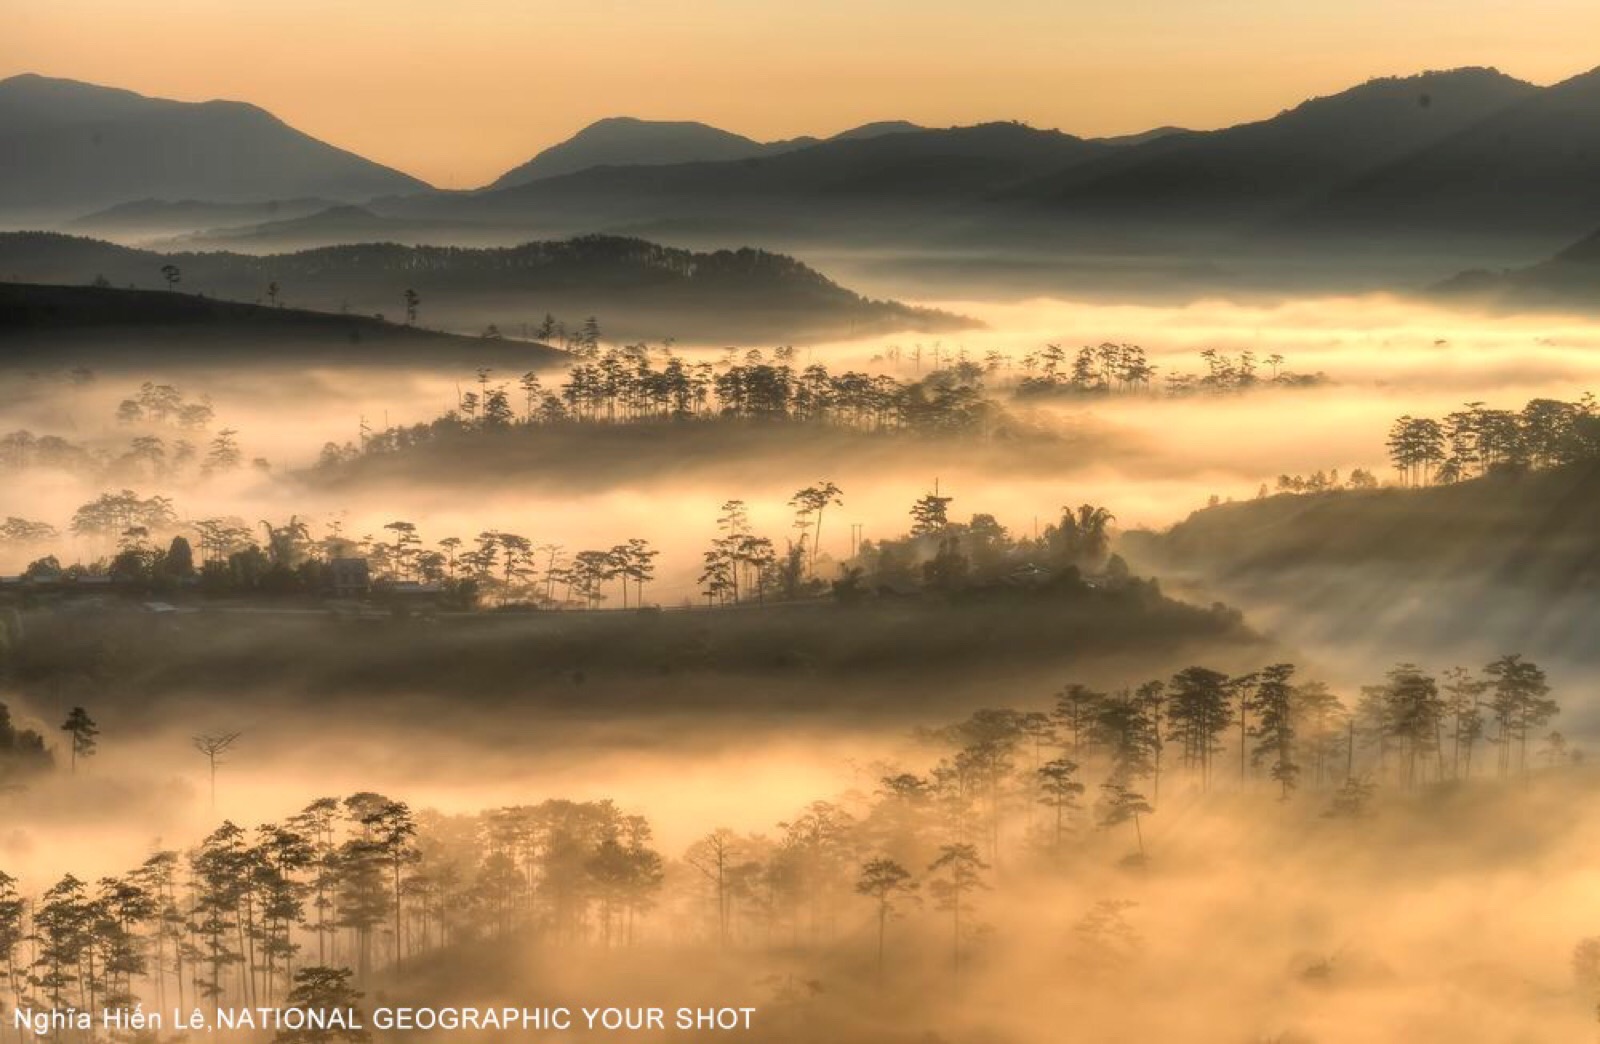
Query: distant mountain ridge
{"x": 72, "y": 147}
{"x": 1422, "y": 174}
{"x": 626, "y": 141}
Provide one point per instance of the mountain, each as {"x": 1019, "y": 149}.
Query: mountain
{"x": 637, "y": 289}
{"x": 1529, "y": 170}
{"x": 104, "y": 327}
{"x": 1569, "y": 281}
{"x": 623, "y": 141}
{"x": 850, "y": 186}
{"x": 1142, "y": 137}
{"x": 1251, "y": 171}
{"x": 73, "y": 147}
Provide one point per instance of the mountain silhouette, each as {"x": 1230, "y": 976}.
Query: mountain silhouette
{"x": 624, "y": 141}
{"x": 860, "y": 180}
{"x": 1530, "y": 170}
{"x": 1255, "y": 169}
{"x": 73, "y": 147}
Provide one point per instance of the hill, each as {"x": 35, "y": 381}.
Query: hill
{"x": 1569, "y": 281}
{"x": 624, "y": 141}
{"x": 105, "y": 327}
{"x": 74, "y": 147}
{"x": 1530, "y": 171}
{"x": 1248, "y": 172}
{"x": 849, "y": 186}
{"x": 1511, "y": 559}
{"x": 637, "y": 289}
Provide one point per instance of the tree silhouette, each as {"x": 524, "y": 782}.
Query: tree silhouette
{"x": 809, "y": 504}
{"x": 81, "y": 731}
{"x": 327, "y": 991}
{"x": 172, "y": 275}
{"x": 1059, "y": 791}
{"x": 413, "y": 300}
{"x": 1521, "y": 704}
{"x": 957, "y": 873}
{"x": 886, "y": 883}
{"x": 213, "y": 746}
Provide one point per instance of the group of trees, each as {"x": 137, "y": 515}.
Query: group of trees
{"x": 363, "y": 882}
{"x": 358, "y": 883}
{"x": 1110, "y": 369}
{"x": 936, "y": 555}
{"x": 1321, "y": 481}
{"x": 170, "y": 443}
{"x": 942, "y": 555}
{"x": 23, "y": 753}
{"x": 1477, "y": 440}
{"x": 229, "y": 557}
{"x": 637, "y": 384}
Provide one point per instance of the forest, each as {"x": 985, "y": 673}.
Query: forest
{"x": 347, "y": 893}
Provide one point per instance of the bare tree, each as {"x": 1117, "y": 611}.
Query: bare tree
{"x": 213, "y": 746}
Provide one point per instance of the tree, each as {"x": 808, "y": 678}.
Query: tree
{"x": 172, "y": 274}
{"x": 809, "y": 504}
{"x": 1198, "y": 710}
{"x": 930, "y": 515}
{"x": 1121, "y": 804}
{"x": 82, "y": 732}
{"x": 223, "y": 454}
{"x": 1521, "y": 703}
{"x": 958, "y": 872}
{"x": 1411, "y": 714}
{"x": 213, "y": 746}
{"x": 1059, "y": 792}
{"x": 272, "y": 292}
{"x": 413, "y": 300}
{"x": 886, "y": 883}
{"x": 1272, "y": 700}
{"x": 328, "y": 992}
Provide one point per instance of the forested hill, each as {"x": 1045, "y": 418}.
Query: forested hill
{"x": 1453, "y": 572}
{"x": 63, "y": 326}
{"x": 637, "y": 289}
{"x": 1530, "y": 529}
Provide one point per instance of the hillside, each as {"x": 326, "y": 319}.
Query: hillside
{"x": 849, "y": 186}
{"x": 1246, "y": 172}
{"x": 108, "y": 328}
{"x": 637, "y": 289}
{"x": 624, "y": 141}
{"x": 1512, "y": 559}
{"x": 73, "y": 147}
{"x": 1530, "y": 171}
{"x": 1569, "y": 281}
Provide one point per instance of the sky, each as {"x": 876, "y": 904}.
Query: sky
{"x": 457, "y": 93}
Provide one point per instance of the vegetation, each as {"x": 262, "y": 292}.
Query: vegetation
{"x": 315, "y": 903}
{"x": 1477, "y": 440}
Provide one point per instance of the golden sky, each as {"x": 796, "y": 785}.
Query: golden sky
{"x": 457, "y": 92}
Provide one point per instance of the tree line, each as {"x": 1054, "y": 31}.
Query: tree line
{"x": 637, "y": 385}
{"x": 1477, "y": 440}
{"x": 347, "y": 886}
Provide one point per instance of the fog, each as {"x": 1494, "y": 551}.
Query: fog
{"x": 1447, "y": 910}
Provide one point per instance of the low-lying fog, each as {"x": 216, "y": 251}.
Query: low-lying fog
{"x": 1150, "y": 459}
